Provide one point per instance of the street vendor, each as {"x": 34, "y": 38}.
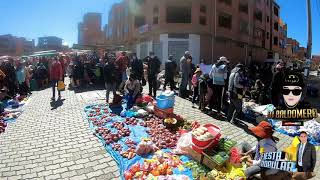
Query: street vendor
{"x": 266, "y": 143}
{"x": 132, "y": 90}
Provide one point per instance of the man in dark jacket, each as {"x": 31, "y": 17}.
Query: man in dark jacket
{"x": 170, "y": 72}
{"x": 137, "y": 67}
{"x": 110, "y": 77}
{"x": 153, "y": 69}
{"x": 306, "y": 156}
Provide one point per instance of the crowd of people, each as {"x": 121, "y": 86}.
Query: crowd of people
{"x": 221, "y": 88}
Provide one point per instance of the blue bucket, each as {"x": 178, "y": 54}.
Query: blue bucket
{"x": 165, "y": 102}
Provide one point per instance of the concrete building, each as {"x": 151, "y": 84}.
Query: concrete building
{"x": 50, "y": 43}
{"x": 89, "y": 31}
{"x": 15, "y": 46}
{"x": 241, "y": 30}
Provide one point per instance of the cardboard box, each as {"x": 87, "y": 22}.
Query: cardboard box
{"x": 194, "y": 155}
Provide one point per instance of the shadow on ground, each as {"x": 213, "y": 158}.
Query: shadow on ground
{"x": 56, "y": 104}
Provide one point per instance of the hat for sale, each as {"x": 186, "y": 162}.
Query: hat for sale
{"x": 262, "y": 130}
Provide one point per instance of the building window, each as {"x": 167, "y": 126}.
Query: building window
{"x": 156, "y": 10}
{"x": 276, "y": 26}
{"x": 243, "y": 8}
{"x": 267, "y": 2}
{"x": 139, "y": 21}
{"x": 268, "y": 35}
{"x": 258, "y": 15}
{"x": 203, "y": 20}
{"x": 228, "y": 2}
{"x": 258, "y": 33}
{"x": 276, "y": 11}
{"x": 203, "y": 8}
{"x": 268, "y": 18}
{"x": 275, "y": 41}
{"x": 155, "y": 20}
{"x": 225, "y": 20}
{"x": 178, "y": 14}
{"x": 244, "y": 27}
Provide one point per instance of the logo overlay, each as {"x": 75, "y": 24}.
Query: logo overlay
{"x": 293, "y": 110}
{"x": 277, "y": 160}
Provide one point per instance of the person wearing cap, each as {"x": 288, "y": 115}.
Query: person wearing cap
{"x": 306, "y": 156}
{"x": 266, "y": 143}
{"x": 185, "y": 68}
{"x": 195, "y": 84}
{"x": 170, "y": 72}
{"x": 276, "y": 85}
{"x": 219, "y": 75}
{"x": 235, "y": 91}
{"x": 153, "y": 64}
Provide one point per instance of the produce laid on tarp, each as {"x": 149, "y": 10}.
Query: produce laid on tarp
{"x": 148, "y": 146}
{"x": 10, "y": 110}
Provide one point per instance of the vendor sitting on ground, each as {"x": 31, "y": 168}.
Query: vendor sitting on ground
{"x": 132, "y": 90}
{"x": 266, "y": 143}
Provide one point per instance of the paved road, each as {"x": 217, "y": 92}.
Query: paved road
{"x": 53, "y": 141}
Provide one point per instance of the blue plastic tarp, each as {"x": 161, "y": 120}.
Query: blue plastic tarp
{"x": 137, "y": 132}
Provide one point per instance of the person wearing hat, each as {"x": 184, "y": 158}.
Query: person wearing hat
{"x": 219, "y": 75}
{"x": 235, "y": 91}
{"x": 266, "y": 143}
{"x": 195, "y": 83}
{"x": 170, "y": 72}
{"x": 185, "y": 68}
{"x": 306, "y": 157}
{"x": 153, "y": 70}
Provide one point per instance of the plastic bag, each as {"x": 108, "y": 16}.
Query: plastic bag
{"x": 61, "y": 86}
{"x": 184, "y": 142}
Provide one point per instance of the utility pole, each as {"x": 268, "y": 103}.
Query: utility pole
{"x": 309, "y": 45}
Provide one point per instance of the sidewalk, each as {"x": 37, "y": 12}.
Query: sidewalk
{"x": 53, "y": 143}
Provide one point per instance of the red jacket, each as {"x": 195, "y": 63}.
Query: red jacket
{"x": 122, "y": 62}
{"x": 56, "y": 72}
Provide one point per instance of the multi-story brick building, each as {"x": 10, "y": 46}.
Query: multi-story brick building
{"x": 242, "y": 30}
{"x": 50, "y": 43}
{"x": 89, "y": 31}
{"x": 15, "y": 46}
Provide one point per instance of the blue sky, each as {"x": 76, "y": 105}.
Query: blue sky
{"x": 34, "y": 18}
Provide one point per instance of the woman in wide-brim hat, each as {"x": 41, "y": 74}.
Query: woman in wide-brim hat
{"x": 266, "y": 143}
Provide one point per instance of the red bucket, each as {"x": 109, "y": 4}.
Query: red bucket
{"x": 199, "y": 146}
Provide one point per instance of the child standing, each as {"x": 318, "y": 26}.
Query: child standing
{"x": 195, "y": 84}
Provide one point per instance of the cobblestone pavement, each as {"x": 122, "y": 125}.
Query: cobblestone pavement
{"x": 53, "y": 141}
